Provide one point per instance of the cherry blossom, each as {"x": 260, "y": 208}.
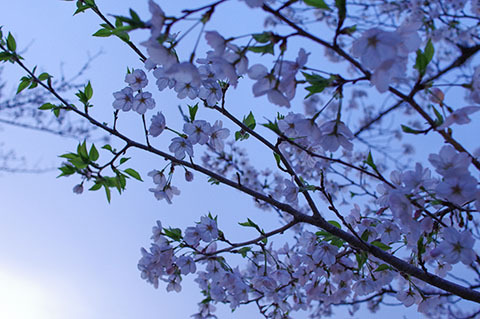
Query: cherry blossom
{"x": 137, "y": 79}
{"x": 458, "y": 189}
{"x": 180, "y": 146}
{"x": 334, "y": 135}
{"x": 167, "y": 192}
{"x": 216, "y": 41}
{"x": 143, "y": 101}
{"x": 158, "y": 124}
{"x": 376, "y": 46}
{"x": 198, "y": 131}
{"x": 123, "y": 99}
{"x": 210, "y": 92}
{"x": 291, "y": 191}
{"x": 158, "y": 178}
{"x": 459, "y": 116}
{"x": 449, "y": 162}
{"x": 217, "y": 136}
{"x": 408, "y": 297}
{"x": 207, "y": 229}
{"x": 456, "y": 247}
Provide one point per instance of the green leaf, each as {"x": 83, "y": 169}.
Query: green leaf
{"x": 334, "y": 223}
{"x": 421, "y": 62}
{"x": 135, "y": 16}
{"x": 410, "y": 130}
{"x": 439, "y": 120}
{"x": 334, "y": 240}
{"x": 320, "y": 4}
{"x": 117, "y": 182}
{"x": 244, "y": 250}
{"x": 337, "y": 242}
{"x": 383, "y": 267}
{"x": 70, "y": 156}
{"x": 272, "y": 126}
{"x": 88, "y": 91}
{"x": 263, "y": 49}
{"x": 361, "y": 259}
{"x": 250, "y": 223}
{"x": 67, "y": 170}
{"x": 249, "y": 121}
{"x": 342, "y": 9}
{"x": 93, "y": 154}
{"x": 82, "y": 97}
{"x": 369, "y": 161}
{"x": 122, "y": 35}
{"x": 424, "y": 58}
{"x": 81, "y": 7}
{"x": 133, "y": 173}
{"x": 44, "y": 76}
{"x": 124, "y": 159}
{"x": 56, "y": 111}
{"x": 103, "y": 33}
{"x": 323, "y": 233}
{"x": 263, "y": 37}
{"x": 365, "y": 235}
{"x": 213, "y": 181}
{"x": 107, "y": 192}
{"x": 78, "y": 163}
{"x": 33, "y": 85}
{"x": 192, "y": 110}
{"x": 318, "y": 83}
{"x": 420, "y": 246}
{"x": 110, "y": 181}
{"x": 82, "y": 151}
{"x": 134, "y": 22}
{"x": 122, "y": 180}
{"x": 173, "y": 233}
{"x": 241, "y": 135}
{"x": 118, "y": 23}
{"x": 96, "y": 186}
{"x": 11, "y": 44}
{"x": 429, "y": 51}
{"x": 277, "y": 158}
{"x": 6, "y": 56}
{"x": 349, "y": 30}
{"x": 23, "y": 85}
{"x": 108, "y": 147}
{"x": 380, "y": 245}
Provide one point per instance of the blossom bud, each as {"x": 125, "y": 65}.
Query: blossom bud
{"x": 188, "y": 176}
{"x": 437, "y": 96}
{"x": 78, "y": 189}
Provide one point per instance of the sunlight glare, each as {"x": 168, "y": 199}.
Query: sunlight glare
{"x": 22, "y": 299}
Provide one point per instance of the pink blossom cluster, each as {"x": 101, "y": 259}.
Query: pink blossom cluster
{"x": 126, "y": 101}
{"x": 422, "y": 214}
{"x": 225, "y": 63}
{"x": 385, "y": 53}
{"x": 310, "y": 274}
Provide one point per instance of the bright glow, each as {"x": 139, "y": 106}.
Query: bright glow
{"x": 22, "y": 299}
